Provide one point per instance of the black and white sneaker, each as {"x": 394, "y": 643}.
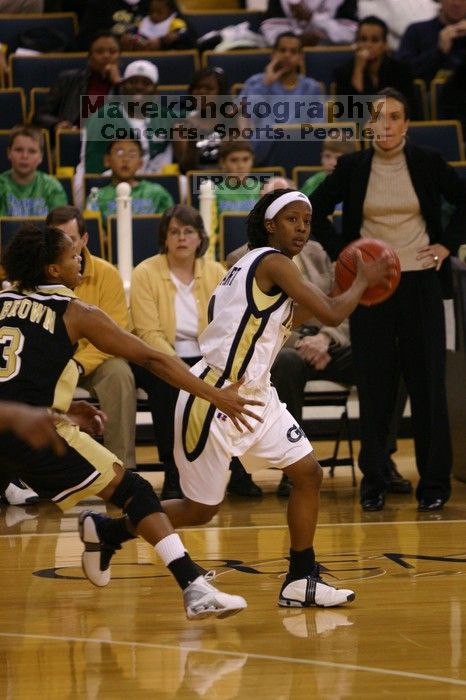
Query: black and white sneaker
{"x": 97, "y": 554}
{"x": 18, "y": 494}
{"x": 312, "y": 590}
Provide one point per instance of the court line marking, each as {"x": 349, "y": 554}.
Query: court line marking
{"x": 200, "y": 528}
{"x": 260, "y": 657}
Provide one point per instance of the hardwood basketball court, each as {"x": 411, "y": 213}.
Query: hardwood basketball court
{"x": 401, "y": 638}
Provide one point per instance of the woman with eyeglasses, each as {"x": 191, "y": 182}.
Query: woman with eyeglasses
{"x": 170, "y": 293}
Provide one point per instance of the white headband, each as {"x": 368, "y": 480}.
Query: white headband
{"x": 284, "y": 199}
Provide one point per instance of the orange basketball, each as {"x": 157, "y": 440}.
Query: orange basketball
{"x": 371, "y": 249}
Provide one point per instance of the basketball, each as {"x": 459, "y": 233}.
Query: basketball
{"x": 371, "y": 249}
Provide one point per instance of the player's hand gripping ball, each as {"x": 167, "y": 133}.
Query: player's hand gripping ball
{"x": 371, "y": 249}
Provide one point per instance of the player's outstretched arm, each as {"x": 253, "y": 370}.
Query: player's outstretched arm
{"x": 34, "y": 425}
{"x": 311, "y": 301}
{"x": 85, "y": 321}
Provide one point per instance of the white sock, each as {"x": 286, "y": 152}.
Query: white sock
{"x": 170, "y": 548}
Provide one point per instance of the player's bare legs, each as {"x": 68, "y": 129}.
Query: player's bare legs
{"x": 184, "y": 512}
{"x": 303, "y": 504}
{"x": 303, "y": 585}
{"x": 144, "y": 517}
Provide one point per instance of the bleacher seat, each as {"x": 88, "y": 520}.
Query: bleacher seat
{"x": 37, "y": 97}
{"x": 41, "y": 71}
{"x": 68, "y": 147}
{"x": 303, "y": 172}
{"x": 420, "y": 95}
{"x": 445, "y": 136}
{"x": 460, "y": 167}
{"x": 170, "y": 182}
{"x": 238, "y": 65}
{"x": 295, "y": 151}
{"x": 436, "y": 89}
{"x": 195, "y": 177}
{"x": 9, "y": 225}
{"x": 12, "y": 107}
{"x": 232, "y": 232}
{"x": 45, "y": 165}
{"x": 321, "y": 61}
{"x": 202, "y": 22}
{"x": 67, "y": 183}
{"x": 145, "y": 237}
{"x": 173, "y": 66}
{"x": 12, "y": 25}
{"x": 95, "y": 243}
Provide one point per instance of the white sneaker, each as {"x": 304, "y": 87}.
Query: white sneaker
{"x": 19, "y": 496}
{"x": 312, "y": 590}
{"x": 201, "y": 599}
{"x": 97, "y": 554}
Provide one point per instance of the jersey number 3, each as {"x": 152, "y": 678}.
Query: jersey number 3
{"x": 11, "y": 345}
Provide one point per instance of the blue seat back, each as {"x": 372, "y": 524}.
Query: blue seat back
{"x": 145, "y": 237}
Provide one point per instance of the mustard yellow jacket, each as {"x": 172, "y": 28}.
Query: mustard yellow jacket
{"x": 152, "y": 301}
{"x": 101, "y": 286}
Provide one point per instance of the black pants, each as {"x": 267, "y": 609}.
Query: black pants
{"x": 290, "y": 374}
{"x": 406, "y": 332}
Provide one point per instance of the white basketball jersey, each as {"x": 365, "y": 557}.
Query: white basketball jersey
{"x": 247, "y": 327}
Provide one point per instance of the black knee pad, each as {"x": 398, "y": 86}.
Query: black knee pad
{"x": 143, "y": 500}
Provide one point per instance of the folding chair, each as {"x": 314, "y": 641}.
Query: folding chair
{"x": 318, "y": 394}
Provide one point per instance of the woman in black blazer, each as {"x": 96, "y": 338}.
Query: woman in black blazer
{"x": 393, "y": 191}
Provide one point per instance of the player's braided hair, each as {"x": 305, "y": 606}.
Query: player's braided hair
{"x": 258, "y": 235}
{"x": 29, "y": 252}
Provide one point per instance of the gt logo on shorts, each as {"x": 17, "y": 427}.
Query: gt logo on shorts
{"x": 295, "y": 433}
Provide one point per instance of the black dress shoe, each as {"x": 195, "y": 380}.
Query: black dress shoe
{"x": 372, "y": 504}
{"x": 397, "y": 483}
{"x": 171, "y": 485}
{"x": 243, "y": 485}
{"x": 428, "y": 505}
{"x": 284, "y": 487}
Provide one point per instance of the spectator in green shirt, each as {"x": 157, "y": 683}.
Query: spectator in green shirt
{"x": 25, "y": 190}
{"x": 238, "y": 190}
{"x": 124, "y": 159}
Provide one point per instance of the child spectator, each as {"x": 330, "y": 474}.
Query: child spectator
{"x": 124, "y": 158}
{"x": 331, "y": 151}
{"x": 162, "y": 28}
{"x": 25, "y": 190}
{"x": 237, "y": 191}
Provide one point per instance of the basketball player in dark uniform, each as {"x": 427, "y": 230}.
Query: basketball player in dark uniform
{"x": 41, "y": 321}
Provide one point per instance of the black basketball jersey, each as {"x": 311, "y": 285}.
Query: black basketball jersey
{"x": 34, "y": 345}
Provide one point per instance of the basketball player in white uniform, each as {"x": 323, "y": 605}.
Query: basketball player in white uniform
{"x": 251, "y": 315}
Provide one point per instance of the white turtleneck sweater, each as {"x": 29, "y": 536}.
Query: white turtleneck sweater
{"x": 391, "y": 210}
